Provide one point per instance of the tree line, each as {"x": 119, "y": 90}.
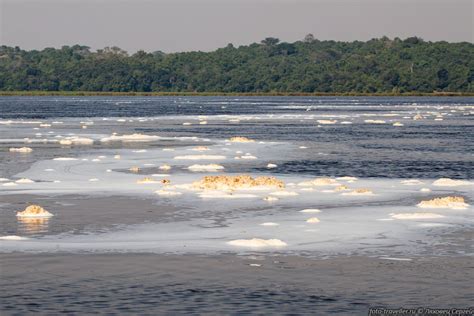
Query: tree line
{"x": 380, "y": 65}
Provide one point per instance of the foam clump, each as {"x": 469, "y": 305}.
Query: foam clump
{"x": 341, "y": 188}
{"x": 375, "y": 121}
{"x": 209, "y": 167}
{"x": 284, "y": 193}
{"x": 310, "y": 210}
{"x": 416, "y": 215}
{"x": 20, "y": 150}
{"x": 271, "y": 166}
{"x": 327, "y": 122}
{"x": 270, "y": 198}
{"x": 13, "y": 237}
{"x": 455, "y": 202}
{"x": 146, "y": 181}
{"x": 257, "y": 243}
{"x": 446, "y": 182}
{"x": 269, "y": 224}
{"x": 165, "y": 167}
{"x": 313, "y": 220}
{"x": 417, "y": 117}
{"x": 64, "y": 159}
{"x": 131, "y": 138}
{"x": 200, "y": 157}
{"x": 24, "y": 180}
{"x": 34, "y": 211}
{"x": 76, "y": 141}
{"x": 134, "y": 169}
{"x": 236, "y": 182}
{"x": 398, "y": 124}
{"x": 200, "y": 148}
{"x": 319, "y": 182}
{"x": 240, "y": 139}
{"x": 347, "y": 178}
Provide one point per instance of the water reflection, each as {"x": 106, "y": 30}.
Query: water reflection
{"x": 33, "y": 225}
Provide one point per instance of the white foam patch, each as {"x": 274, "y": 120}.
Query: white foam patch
{"x": 257, "y": 243}
{"x": 200, "y": 157}
{"x": 13, "y": 237}
{"x": 416, "y": 215}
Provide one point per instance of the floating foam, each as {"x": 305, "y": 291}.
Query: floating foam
{"x": 13, "y": 237}
{"x": 375, "y": 121}
{"x": 64, "y": 159}
{"x": 200, "y": 157}
{"x": 4, "y": 179}
{"x": 131, "y": 138}
{"x": 327, "y": 122}
{"x": 200, "y": 148}
{"x": 346, "y": 178}
{"x": 271, "y": 166}
{"x": 454, "y": 202}
{"x": 93, "y": 180}
{"x": 425, "y": 190}
{"x": 310, "y": 210}
{"x": 209, "y": 168}
{"x": 34, "y": 211}
{"x": 21, "y": 150}
{"x": 9, "y": 184}
{"x": 313, "y": 220}
{"x": 164, "y": 167}
{"x": 240, "y": 139}
{"x": 237, "y": 182}
{"x": 257, "y": 243}
{"x": 417, "y": 117}
{"x": 416, "y": 215}
{"x": 446, "y": 182}
{"x": 76, "y": 141}
{"x": 397, "y": 124}
{"x": 147, "y": 181}
{"x": 134, "y": 169}
{"x": 24, "y": 180}
{"x": 269, "y": 224}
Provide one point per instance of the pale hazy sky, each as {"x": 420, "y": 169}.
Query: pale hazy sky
{"x": 183, "y": 25}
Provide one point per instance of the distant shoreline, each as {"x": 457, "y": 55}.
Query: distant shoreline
{"x": 246, "y": 94}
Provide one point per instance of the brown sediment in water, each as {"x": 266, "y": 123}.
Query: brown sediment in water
{"x": 236, "y": 182}
{"x": 34, "y": 211}
{"x": 444, "y": 202}
{"x": 240, "y": 139}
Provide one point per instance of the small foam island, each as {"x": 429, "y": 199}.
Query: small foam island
{"x": 209, "y": 167}
{"x": 200, "y": 157}
{"x": 417, "y": 117}
{"x": 416, "y": 215}
{"x": 131, "y": 138}
{"x": 164, "y": 167}
{"x": 397, "y": 124}
{"x": 200, "y": 148}
{"x": 341, "y": 188}
{"x": 240, "y": 139}
{"x": 167, "y": 193}
{"x": 327, "y": 122}
{"x": 236, "y": 182}
{"x": 146, "y": 181}
{"x": 257, "y": 243}
{"x": 13, "y": 237}
{"x": 34, "y": 211}
{"x": 446, "y": 182}
{"x": 454, "y": 202}
{"x": 375, "y": 121}
{"x": 24, "y": 180}
{"x": 313, "y": 220}
{"x": 20, "y": 150}
{"x": 76, "y": 141}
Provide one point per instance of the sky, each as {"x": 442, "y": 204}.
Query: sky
{"x": 186, "y": 25}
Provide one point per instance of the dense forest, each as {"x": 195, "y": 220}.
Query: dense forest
{"x": 377, "y": 66}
